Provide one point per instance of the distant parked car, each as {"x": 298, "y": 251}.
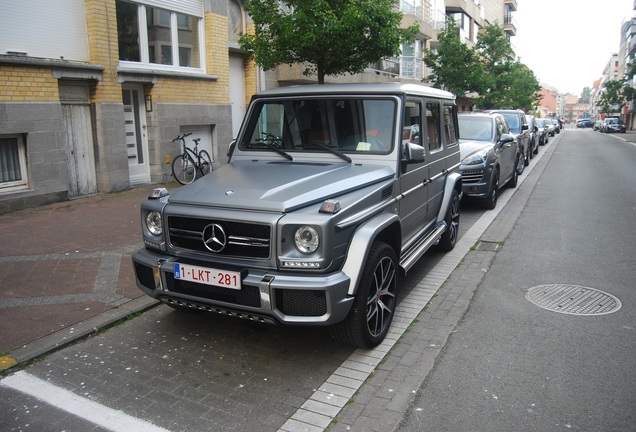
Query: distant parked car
{"x": 490, "y": 156}
{"x": 614, "y": 125}
{"x": 550, "y": 126}
{"x": 557, "y": 124}
{"x": 533, "y": 142}
{"x": 597, "y": 125}
{"x": 585, "y": 123}
{"x": 542, "y": 131}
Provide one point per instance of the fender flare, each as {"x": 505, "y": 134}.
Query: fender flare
{"x": 453, "y": 181}
{"x": 360, "y": 244}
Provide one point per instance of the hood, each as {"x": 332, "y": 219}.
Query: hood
{"x": 277, "y": 186}
{"x": 466, "y": 148}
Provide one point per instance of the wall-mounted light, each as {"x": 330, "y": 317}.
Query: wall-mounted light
{"x": 148, "y": 103}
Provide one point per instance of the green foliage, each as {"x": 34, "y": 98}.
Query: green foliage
{"x": 332, "y": 37}
{"x": 455, "y": 67}
{"x": 586, "y": 93}
{"x": 488, "y": 69}
{"x": 508, "y": 83}
{"x": 612, "y": 99}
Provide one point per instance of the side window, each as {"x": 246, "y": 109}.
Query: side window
{"x": 450, "y": 129}
{"x": 13, "y": 163}
{"x": 411, "y": 127}
{"x": 433, "y": 125}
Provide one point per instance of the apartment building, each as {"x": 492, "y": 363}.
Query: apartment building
{"x": 501, "y": 12}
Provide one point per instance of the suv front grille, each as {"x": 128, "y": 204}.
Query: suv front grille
{"x": 244, "y": 240}
{"x": 472, "y": 176}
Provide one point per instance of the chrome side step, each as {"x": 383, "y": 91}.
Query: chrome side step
{"x": 410, "y": 256}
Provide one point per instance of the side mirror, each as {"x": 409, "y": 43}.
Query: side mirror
{"x": 506, "y": 138}
{"x": 524, "y": 127}
{"x": 413, "y": 153}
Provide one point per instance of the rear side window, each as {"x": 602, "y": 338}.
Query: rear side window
{"x": 433, "y": 126}
{"x": 450, "y": 129}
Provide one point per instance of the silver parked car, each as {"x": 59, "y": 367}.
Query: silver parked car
{"x": 542, "y": 131}
{"x": 490, "y": 156}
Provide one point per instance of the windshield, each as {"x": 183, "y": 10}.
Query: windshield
{"x": 513, "y": 122}
{"x": 349, "y": 125}
{"x": 475, "y": 128}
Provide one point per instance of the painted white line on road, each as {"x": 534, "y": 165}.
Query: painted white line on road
{"x": 86, "y": 409}
{"x": 347, "y": 379}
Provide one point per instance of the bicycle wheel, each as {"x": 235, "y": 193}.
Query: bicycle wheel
{"x": 206, "y": 162}
{"x": 183, "y": 169}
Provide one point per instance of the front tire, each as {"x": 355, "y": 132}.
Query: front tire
{"x": 491, "y": 202}
{"x": 374, "y": 306}
{"x": 448, "y": 240}
{"x": 206, "y": 162}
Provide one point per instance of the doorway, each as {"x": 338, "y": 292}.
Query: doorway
{"x": 136, "y": 137}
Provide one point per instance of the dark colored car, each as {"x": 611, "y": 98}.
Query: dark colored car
{"x": 533, "y": 143}
{"x": 490, "y": 156}
{"x": 585, "y": 123}
{"x": 556, "y": 123}
{"x": 542, "y": 131}
{"x": 518, "y": 124}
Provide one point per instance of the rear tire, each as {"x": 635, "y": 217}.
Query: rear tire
{"x": 184, "y": 170}
{"x": 374, "y": 305}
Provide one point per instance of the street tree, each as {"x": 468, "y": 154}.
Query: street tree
{"x": 330, "y": 37}
{"x": 454, "y": 65}
{"x": 586, "y": 93}
{"x": 506, "y": 83}
{"x": 612, "y": 98}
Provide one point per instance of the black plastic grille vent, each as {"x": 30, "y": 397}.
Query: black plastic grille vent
{"x": 387, "y": 193}
{"x": 472, "y": 176}
{"x": 301, "y": 302}
{"x": 247, "y": 296}
{"x": 245, "y": 240}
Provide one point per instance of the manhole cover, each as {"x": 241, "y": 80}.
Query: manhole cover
{"x": 573, "y": 299}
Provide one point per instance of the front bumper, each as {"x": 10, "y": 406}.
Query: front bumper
{"x": 272, "y": 297}
{"x": 476, "y": 182}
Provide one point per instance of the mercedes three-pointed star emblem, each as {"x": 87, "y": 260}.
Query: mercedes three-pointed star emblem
{"x": 214, "y": 238}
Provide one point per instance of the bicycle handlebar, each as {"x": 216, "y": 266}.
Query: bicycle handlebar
{"x": 182, "y": 136}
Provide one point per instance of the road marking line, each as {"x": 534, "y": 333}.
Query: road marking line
{"x": 86, "y": 409}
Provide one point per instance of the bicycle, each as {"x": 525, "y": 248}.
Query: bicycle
{"x": 192, "y": 161}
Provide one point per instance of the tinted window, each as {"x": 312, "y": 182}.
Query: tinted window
{"x": 513, "y": 121}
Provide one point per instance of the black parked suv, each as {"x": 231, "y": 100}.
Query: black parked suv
{"x": 518, "y": 124}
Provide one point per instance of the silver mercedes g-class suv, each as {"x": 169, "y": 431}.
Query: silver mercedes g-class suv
{"x": 331, "y": 193}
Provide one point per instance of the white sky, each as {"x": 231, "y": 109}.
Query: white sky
{"x": 567, "y": 43}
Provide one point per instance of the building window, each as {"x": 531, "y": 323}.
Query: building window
{"x": 152, "y": 36}
{"x": 13, "y": 172}
{"x": 411, "y": 60}
{"x": 235, "y": 19}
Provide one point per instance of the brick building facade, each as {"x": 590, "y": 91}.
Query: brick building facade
{"x": 91, "y": 101}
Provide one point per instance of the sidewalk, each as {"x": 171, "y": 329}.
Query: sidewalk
{"x": 65, "y": 271}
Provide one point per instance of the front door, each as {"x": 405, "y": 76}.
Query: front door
{"x": 76, "y": 111}
{"x": 136, "y": 138}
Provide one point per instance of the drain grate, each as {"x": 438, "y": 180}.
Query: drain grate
{"x": 573, "y": 299}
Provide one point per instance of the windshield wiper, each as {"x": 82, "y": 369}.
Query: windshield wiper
{"x": 279, "y": 151}
{"x": 340, "y": 154}
{"x": 266, "y": 141}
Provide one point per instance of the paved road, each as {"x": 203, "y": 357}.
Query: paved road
{"x": 510, "y": 365}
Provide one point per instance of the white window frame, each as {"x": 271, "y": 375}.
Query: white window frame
{"x": 12, "y": 186}
{"x": 144, "y": 60}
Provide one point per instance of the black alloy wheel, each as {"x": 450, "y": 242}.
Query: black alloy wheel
{"x": 448, "y": 240}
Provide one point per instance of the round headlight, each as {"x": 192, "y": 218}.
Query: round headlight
{"x": 306, "y": 239}
{"x": 153, "y": 223}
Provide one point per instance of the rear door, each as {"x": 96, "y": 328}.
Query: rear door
{"x": 436, "y": 156}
